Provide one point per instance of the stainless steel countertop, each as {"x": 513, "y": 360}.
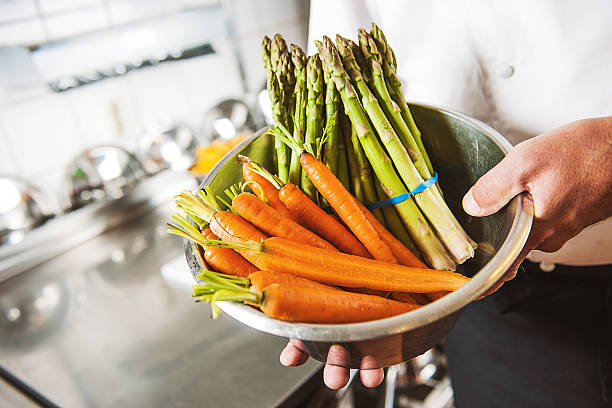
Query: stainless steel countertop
{"x": 100, "y": 326}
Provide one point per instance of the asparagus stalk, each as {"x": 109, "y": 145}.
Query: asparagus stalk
{"x": 273, "y": 92}
{"x": 448, "y": 229}
{"x": 343, "y": 170}
{"x": 279, "y": 68}
{"x": 373, "y": 61}
{"x": 374, "y": 58}
{"x": 355, "y": 180}
{"x": 394, "y": 222}
{"x": 332, "y": 106}
{"x": 365, "y": 176}
{"x": 428, "y": 243}
{"x": 389, "y": 64}
{"x": 298, "y": 58}
{"x": 314, "y": 114}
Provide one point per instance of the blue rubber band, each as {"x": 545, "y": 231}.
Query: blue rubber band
{"x": 398, "y": 199}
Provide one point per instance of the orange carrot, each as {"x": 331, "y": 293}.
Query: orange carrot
{"x": 346, "y": 206}
{"x": 263, "y": 187}
{"x": 262, "y": 279}
{"x": 309, "y": 305}
{"x": 406, "y": 297}
{"x": 233, "y": 228}
{"x": 225, "y": 260}
{"x": 436, "y": 295}
{"x": 314, "y": 218}
{"x": 274, "y": 223}
{"x": 335, "y": 268}
{"x": 403, "y": 254}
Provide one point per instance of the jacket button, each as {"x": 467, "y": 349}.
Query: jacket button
{"x": 505, "y": 71}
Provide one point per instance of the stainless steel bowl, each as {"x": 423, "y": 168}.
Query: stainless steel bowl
{"x": 101, "y": 173}
{"x": 169, "y": 147}
{"x": 22, "y": 208}
{"x": 462, "y": 149}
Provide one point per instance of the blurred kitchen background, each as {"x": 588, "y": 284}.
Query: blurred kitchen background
{"x": 80, "y": 73}
{"x": 107, "y": 109}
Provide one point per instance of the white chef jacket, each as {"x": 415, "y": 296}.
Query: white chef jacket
{"x": 523, "y": 67}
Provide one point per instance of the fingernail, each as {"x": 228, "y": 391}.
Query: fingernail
{"x": 469, "y": 204}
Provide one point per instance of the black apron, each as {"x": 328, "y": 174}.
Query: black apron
{"x": 543, "y": 340}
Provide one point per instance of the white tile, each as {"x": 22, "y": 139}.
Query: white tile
{"x": 124, "y": 11}
{"x": 16, "y": 9}
{"x": 22, "y": 32}
{"x": 7, "y": 161}
{"x": 42, "y": 132}
{"x": 221, "y": 81}
{"x": 251, "y": 15}
{"x": 158, "y": 94}
{"x": 76, "y": 22}
{"x": 105, "y": 112}
{"x": 51, "y": 6}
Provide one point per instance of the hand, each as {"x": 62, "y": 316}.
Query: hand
{"x": 567, "y": 171}
{"x": 336, "y": 372}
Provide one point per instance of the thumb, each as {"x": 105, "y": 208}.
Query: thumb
{"x": 495, "y": 189}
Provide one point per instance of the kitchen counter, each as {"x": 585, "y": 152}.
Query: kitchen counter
{"x": 101, "y": 326}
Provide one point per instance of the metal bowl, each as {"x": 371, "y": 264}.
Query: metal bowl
{"x": 22, "y": 208}
{"x": 462, "y": 149}
{"x": 105, "y": 172}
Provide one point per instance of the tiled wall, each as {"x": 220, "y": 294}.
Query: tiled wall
{"x": 40, "y": 131}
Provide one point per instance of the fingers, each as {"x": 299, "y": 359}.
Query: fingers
{"x": 336, "y": 371}
{"x": 371, "y": 372}
{"x": 293, "y": 354}
{"x": 496, "y": 188}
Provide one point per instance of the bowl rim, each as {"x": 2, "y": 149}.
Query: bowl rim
{"x": 486, "y": 277}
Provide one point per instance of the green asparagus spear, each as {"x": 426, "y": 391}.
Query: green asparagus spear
{"x": 448, "y": 229}
{"x": 365, "y": 176}
{"x": 332, "y": 106}
{"x": 343, "y": 170}
{"x": 377, "y": 81}
{"x": 373, "y": 60}
{"x": 280, "y": 68}
{"x": 299, "y": 125}
{"x": 428, "y": 243}
{"x": 314, "y": 114}
{"x": 273, "y": 92}
{"x": 389, "y": 65}
{"x": 355, "y": 180}
{"x": 394, "y": 222}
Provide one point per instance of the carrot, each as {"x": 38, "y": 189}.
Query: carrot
{"x": 294, "y": 301}
{"x": 262, "y": 279}
{"x": 436, "y": 295}
{"x": 263, "y": 187}
{"x": 403, "y": 254}
{"x": 233, "y": 228}
{"x": 225, "y": 260}
{"x": 274, "y": 223}
{"x": 406, "y": 297}
{"x": 314, "y": 218}
{"x": 346, "y": 206}
{"x": 308, "y": 305}
{"x": 335, "y": 268}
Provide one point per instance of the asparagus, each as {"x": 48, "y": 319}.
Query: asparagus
{"x": 448, "y": 229}
{"x": 273, "y": 91}
{"x": 280, "y": 68}
{"x": 373, "y": 61}
{"x": 343, "y": 170}
{"x": 389, "y": 65}
{"x": 365, "y": 176}
{"x": 314, "y": 114}
{"x": 332, "y": 106}
{"x": 355, "y": 180}
{"x": 428, "y": 243}
{"x": 394, "y": 222}
{"x": 374, "y": 58}
{"x": 299, "y": 125}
